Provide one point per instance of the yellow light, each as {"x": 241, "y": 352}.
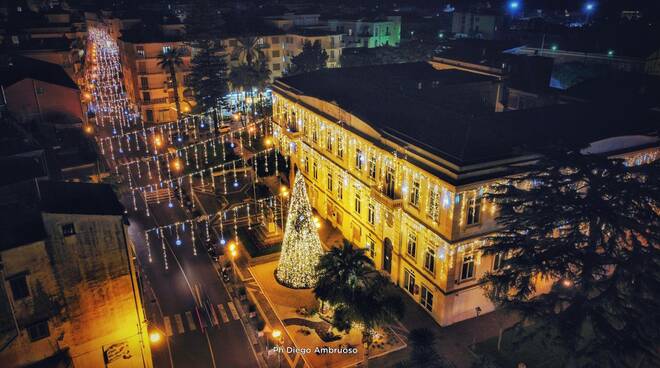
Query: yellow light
{"x": 87, "y": 95}
{"x": 251, "y": 129}
{"x": 88, "y": 128}
{"x": 233, "y": 253}
{"x": 236, "y": 116}
{"x": 317, "y": 222}
{"x": 276, "y": 333}
{"x": 567, "y": 283}
{"x": 232, "y": 247}
{"x": 176, "y": 164}
{"x": 157, "y": 141}
{"x": 186, "y": 108}
{"x": 284, "y": 191}
{"x": 154, "y": 337}
{"x": 269, "y": 141}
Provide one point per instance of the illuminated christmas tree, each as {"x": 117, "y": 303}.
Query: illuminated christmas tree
{"x": 301, "y": 246}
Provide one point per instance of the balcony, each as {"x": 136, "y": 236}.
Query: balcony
{"x": 156, "y": 101}
{"x": 291, "y": 130}
{"x": 393, "y": 201}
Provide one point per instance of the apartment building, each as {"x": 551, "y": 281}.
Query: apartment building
{"x": 481, "y": 24}
{"x": 69, "y": 294}
{"x": 368, "y": 32}
{"x": 397, "y": 157}
{"x": 146, "y": 82}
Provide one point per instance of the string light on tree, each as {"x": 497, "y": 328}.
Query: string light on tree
{"x": 301, "y": 246}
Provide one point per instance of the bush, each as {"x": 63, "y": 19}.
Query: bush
{"x": 260, "y": 324}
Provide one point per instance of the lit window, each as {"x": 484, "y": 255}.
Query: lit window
{"x": 340, "y": 147}
{"x": 328, "y": 142}
{"x": 329, "y": 182}
{"x": 433, "y": 208}
{"x": 414, "y": 193}
{"x": 429, "y": 260}
{"x": 371, "y": 247}
{"x": 340, "y": 189}
{"x": 427, "y": 299}
{"x": 371, "y": 213}
{"x": 409, "y": 281}
{"x": 467, "y": 268}
{"x": 358, "y": 201}
{"x": 372, "y": 167}
{"x": 473, "y": 209}
{"x": 412, "y": 244}
{"x": 315, "y": 135}
{"x": 498, "y": 261}
{"x": 306, "y": 164}
{"x": 19, "y": 287}
{"x": 359, "y": 158}
{"x": 315, "y": 170}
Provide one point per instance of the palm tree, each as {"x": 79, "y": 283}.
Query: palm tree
{"x": 169, "y": 60}
{"x": 248, "y": 50}
{"x": 343, "y": 271}
{"x": 246, "y": 78}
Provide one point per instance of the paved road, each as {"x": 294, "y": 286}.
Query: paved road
{"x": 194, "y": 340}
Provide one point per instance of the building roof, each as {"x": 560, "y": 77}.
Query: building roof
{"x": 476, "y": 51}
{"x": 617, "y": 87}
{"x": 451, "y": 122}
{"x": 79, "y": 198}
{"x": 17, "y": 68}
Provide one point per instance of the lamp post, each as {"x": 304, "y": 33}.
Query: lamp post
{"x": 284, "y": 192}
{"x": 233, "y": 253}
{"x": 277, "y": 336}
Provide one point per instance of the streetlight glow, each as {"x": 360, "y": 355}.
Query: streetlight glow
{"x": 514, "y": 5}
{"x": 154, "y": 337}
{"x": 276, "y": 333}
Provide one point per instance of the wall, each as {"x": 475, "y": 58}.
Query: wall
{"x": 28, "y": 99}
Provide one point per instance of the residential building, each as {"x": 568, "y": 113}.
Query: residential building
{"x": 70, "y": 294}
{"x": 37, "y": 90}
{"x": 410, "y": 150}
{"x": 149, "y": 84}
{"x": 61, "y": 51}
{"x": 368, "y": 32}
{"x": 480, "y": 24}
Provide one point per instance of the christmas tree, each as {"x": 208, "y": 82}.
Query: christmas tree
{"x": 301, "y": 246}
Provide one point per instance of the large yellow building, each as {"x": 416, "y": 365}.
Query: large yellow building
{"x": 397, "y": 158}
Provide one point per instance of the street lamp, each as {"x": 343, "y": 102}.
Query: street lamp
{"x": 284, "y": 192}
{"x": 554, "y": 47}
{"x": 155, "y": 337}
{"x": 88, "y": 129}
{"x": 176, "y": 164}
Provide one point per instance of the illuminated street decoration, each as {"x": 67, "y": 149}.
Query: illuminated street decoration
{"x": 301, "y": 246}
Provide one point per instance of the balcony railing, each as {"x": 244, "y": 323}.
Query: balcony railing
{"x": 155, "y": 101}
{"x": 392, "y": 200}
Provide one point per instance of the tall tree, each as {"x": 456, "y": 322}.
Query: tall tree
{"x": 246, "y": 78}
{"x": 312, "y": 57}
{"x": 423, "y": 354}
{"x": 170, "y": 60}
{"x": 589, "y": 224}
{"x": 208, "y": 78}
{"x": 248, "y": 50}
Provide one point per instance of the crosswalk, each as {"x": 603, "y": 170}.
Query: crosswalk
{"x": 189, "y": 321}
{"x": 159, "y": 195}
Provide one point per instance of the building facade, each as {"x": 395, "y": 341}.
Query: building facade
{"x": 69, "y": 280}
{"x": 477, "y": 25}
{"x": 415, "y": 206}
{"x": 368, "y": 33}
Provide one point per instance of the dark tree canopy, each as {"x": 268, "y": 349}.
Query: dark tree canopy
{"x": 208, "y": 78}
{"x": 312, "y": 57}
{"x": 588, "y": 225}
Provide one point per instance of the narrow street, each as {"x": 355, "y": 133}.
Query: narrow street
{"x": 176, "y": 282}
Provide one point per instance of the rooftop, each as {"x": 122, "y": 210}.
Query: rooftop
{"x": 79, "y": 198}
{"x": 15, "y": 68}
{"x": 452, "y": 122}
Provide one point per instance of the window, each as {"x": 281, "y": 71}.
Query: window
{"x": 144, "y": 82}
{"x": 276, "y": 67}
{"x": 429, "y": 260}
{"x": 233, "y": 43}
{"x": 19, "y": 287}
{"x": 467, "y": 268}
{"x": 315, "y": 170}
{"x": 315, "y": 135}
{"x": 328, "y": 142}
{"x": 306, "y": 164}
{"x": 275, "y": 40}
{"x": 414, "y": 193}
{"x": 473, "y": 209}
{"x": 498, "y": 261}
{"x": 371, "y": 213}
{"x": 150, "y": 115}
{"x": 371, "y": 247}
{"x": 340, "y": 147}
{"x": 409, "y": 281}
{"x": 38, "y": 331}
{"x": 427, "y": 299}
{"x": 146, "y": 97}
{"x": 329, "y": 182}
{"x": 412, "y": 244}
{"x": 340, "y": 189}
{"x": 433, "y": 206}
{"x": 139, "y": 50}
{"x": 167, "y": 49}
{"x": 68, "y": 229}
{"x": 275, "y": 53}
{"x": 358, "y": 201}
{"x": 372, "y": 167}
{"x": 359, "y": 158}
{"x": 332, "y": 53}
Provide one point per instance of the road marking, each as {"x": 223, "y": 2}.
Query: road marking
{"x": 179, "y": 324}
{"x": 232, "y": 309}
{"x": 191, "y": 323}
{"x": 168, "y": 326}
{"x": 214, "y": 316}
{"x": 223, "y": 313}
